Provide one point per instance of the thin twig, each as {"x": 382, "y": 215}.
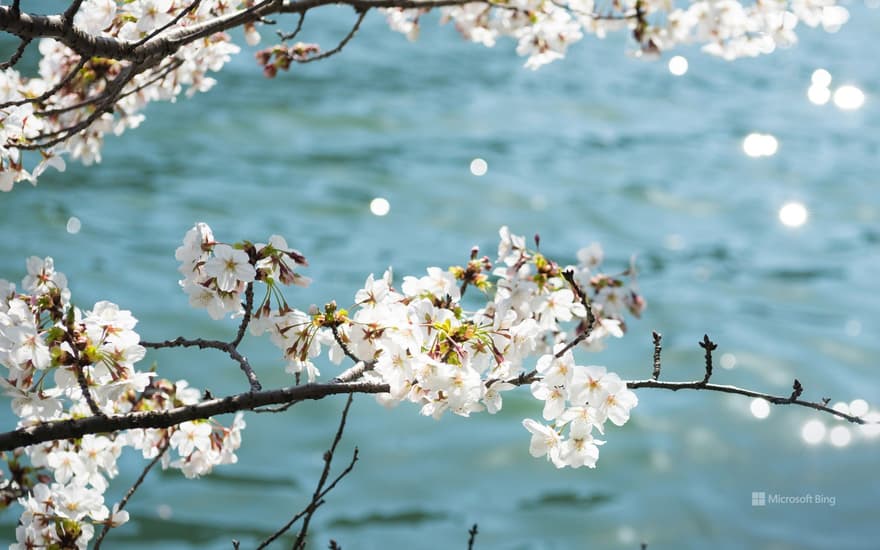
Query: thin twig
{"x": 300, "y": 542}
{"x": 472, "y": 536}
{"x": 130, "y": 492}
{"x": 362, "y": 12}
{"x": 320, "y": 490}
{"x": 709, "y": 346}
{"x": 299, "y": 25}
{"x": 181, "y": 342}
{"x": 580, "y": 295}
{"x": 105, "y": 106}
{"x": 84, "y": 388}
{"x": 16, "y": 56}
{"x": 194, "y": 4}
{"x": 797, "y": 390}
{"x": 51, "y": 91}
{"x": 202, "y": 343}
{"x": 246, "y": 319}
{"x": 114, "y": 86}
{"x": 657, "y": 348}
{"x": 348, "y": 353}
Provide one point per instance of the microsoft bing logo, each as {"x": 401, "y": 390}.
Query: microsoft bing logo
{"x": 759, "y": 499}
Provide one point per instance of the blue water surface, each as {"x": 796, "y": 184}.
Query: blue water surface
{"x": 599, "y": 147}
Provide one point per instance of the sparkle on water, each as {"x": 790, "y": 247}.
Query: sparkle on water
{"x": 380, "y": 206}
{"x": 73, "y": 225}
{"x": 479, "y": 167}
{"x": 821, "y": 78}
{"x": 760, "y": 145}
{"x": 819, "y": 95}
{"x": 859, "y": 407}
{"x": 673, "y": 241}
{"x": 728, "y": 361}
{"x": 841, "y": 407}
{"x": 849, "y": 98}
{"x": 164, "y": 511}
{"x": 760, "y": 408}
{"x": 853, "y": 327}
{"x": 872, "y": 428}
{"x": 840, "y": 436}
{"x": 678, "y": 65}
{"x": 626, "y": 534}
{"x": 813, "y": 432}
{"x": 793, "y": 214}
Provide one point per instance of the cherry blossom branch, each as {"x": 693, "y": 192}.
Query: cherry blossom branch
{"x": 105, "y": 106}
{"x": 70, "y": 13}
{"x": 78, "y": 427}
{"x": 320, "y": 490}
{"x": 30, "y": 26}
{"x": 579, "y": 294}
{"x": 130, "y": 493}
{"x": 109, "y": 94}
{"x": 161, "y": 73}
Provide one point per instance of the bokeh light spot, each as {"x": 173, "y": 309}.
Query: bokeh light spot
{"x": 380, "y": 206}
{"x": 859, "y": 407}
{"x": 813, "y": 432}
{"x": 728, "y": 361}
{"x": 840, "y": 436}
{"x": 760, "y": 408}
{"x": 793, "y": 214}
{"x": 849, "y": 98}
{"x": 760, "y": 145}
{"x": 678, "y": 65}
{"x": 73, "y": 225}
{"x": 479, "y": 167}
{"x": 821, "y": 78}
{"x": 819, "y": 95}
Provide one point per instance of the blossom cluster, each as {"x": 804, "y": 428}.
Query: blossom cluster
{"x": 41, "y": 109}
{"x": 61, "y": 111}
{"x": 61, "y": 363}
{"x": 544, "y": 30}
{"x": 420, "y": 340}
